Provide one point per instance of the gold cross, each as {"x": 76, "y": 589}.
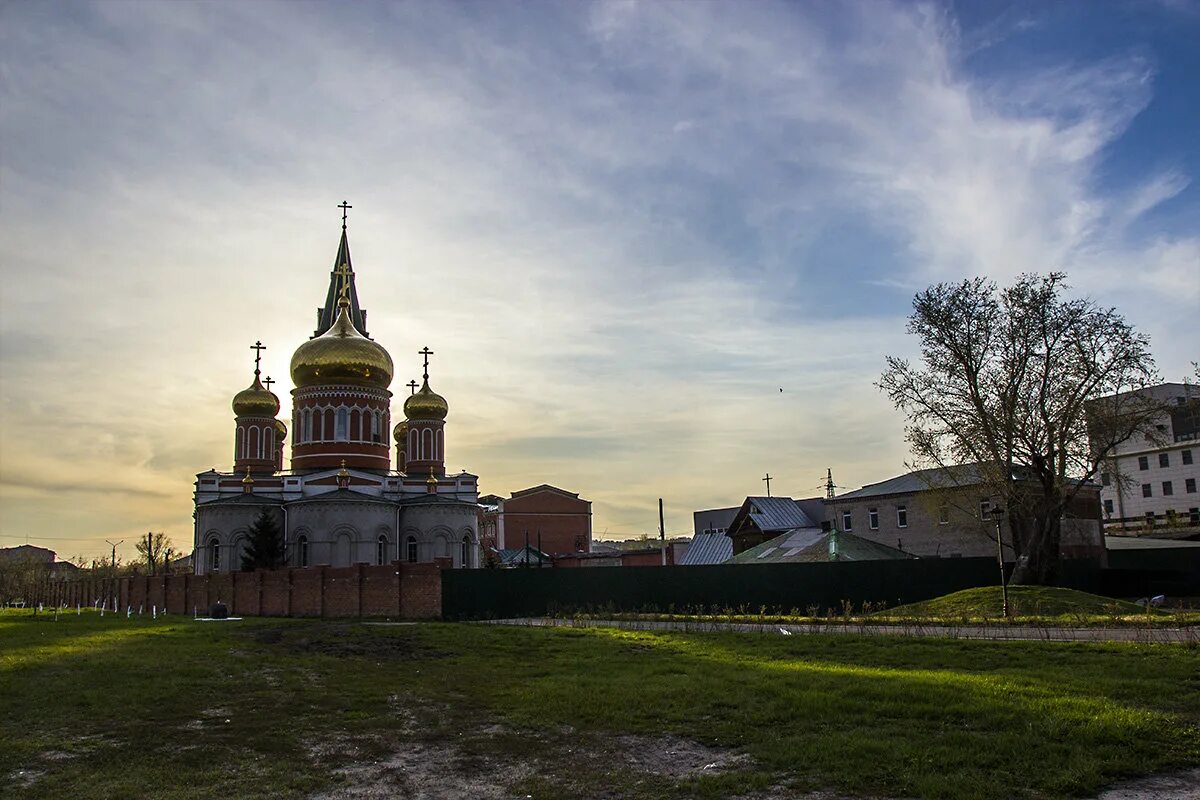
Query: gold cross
{"x": 344, "y": 273}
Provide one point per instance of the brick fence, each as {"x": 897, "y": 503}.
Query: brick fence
{"x": 400, "y": 590}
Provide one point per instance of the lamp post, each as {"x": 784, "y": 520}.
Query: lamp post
{"x": 998, "y": 515}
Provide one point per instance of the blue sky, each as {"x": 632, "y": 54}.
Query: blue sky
{"x": 622, "y": 226}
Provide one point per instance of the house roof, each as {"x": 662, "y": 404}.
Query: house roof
{"x": 814, "y": 544}
{"x": 951, "y": 477}
{"x": 545, "y": 487}
{"x": 512, "y": 556}
{"x": 773, "y": 514}
{"x": 708, "y": 548}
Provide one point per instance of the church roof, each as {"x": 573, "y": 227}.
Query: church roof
{"x": 245, "y": 499}
{"x": 351, "y": 495}
{"x": 327, "y": 314}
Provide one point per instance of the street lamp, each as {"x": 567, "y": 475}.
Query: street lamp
{"x": 998, "y": 515}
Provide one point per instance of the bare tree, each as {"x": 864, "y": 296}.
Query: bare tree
{"x": 156, "y": 549}
{"x": 1009, "y": 381}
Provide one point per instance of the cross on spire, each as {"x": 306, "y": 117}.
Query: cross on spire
{"x": 426, "y": 352}
{"x": 412, "y": 385}
{"x": 344, "y": 207}
{"x": 343, "y": 272}
{"x": 268, "y": 383}
{"x": 768, "y": 481}
{"x": 257, "y": 347}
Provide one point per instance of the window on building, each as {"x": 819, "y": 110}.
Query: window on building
{"x": 302, "y": 551}
{"x": 943, "y": 514}
{"x": 1105, "y": 479}
{"x": 411, "y": 549}
{"x": 1108, "y": 507}
{"x": 1147, "y": 491}
{"x": 381, "y": 550}
{"x": 1164, "y": 459}
{"x": 847, "y": 521}
{"x": 1143, "y": 462}
{"x": 1189, "y": 485}
{"x": 985, "y": 507}
{"x": 873, "y": 518}
{"x": 214, "y": 555}
{"x": 465, "y": 555}
{"x": 901, "y": 516}
{"x": 342, "y": 431}
{"x": 1186, "y": 457}
{"x": 1168, "y": 490}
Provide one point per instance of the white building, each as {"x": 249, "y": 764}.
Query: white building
{"x": 342, "y": 501}
{"x": 1151, "y": 482}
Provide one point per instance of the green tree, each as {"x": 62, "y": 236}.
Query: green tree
{"x": 1034, "y": 389}
{"x": 264, "y": 545}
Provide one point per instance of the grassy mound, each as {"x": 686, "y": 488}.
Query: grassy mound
{"x": 1023, "y": 601}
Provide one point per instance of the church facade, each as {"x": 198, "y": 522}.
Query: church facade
{"x": 343, "y": 500}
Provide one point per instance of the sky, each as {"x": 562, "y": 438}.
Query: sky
{"x": 623, "y": 227}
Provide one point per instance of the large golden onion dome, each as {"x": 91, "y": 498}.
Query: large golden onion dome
{"x": 255, "y": 401}
{"x": 341, "y": 355}
{"x": 280, "y": 430}
{"x": 426, "y": 404}
{"x": 400, "y": 432}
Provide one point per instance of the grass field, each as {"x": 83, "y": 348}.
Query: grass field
{"x": 173, "y": 708}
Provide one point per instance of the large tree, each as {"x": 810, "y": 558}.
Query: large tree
{"x": 264, "y": 545}
{"x": 1011, "y": 380}
{"x": 157, "y": 551}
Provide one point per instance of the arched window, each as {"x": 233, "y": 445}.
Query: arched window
{"x": 427, "y": 445}
{"x": 376, "y": 424}
{"x": 437, "y": 450}
{"x": 465, "y": 556}
{"x": 412, "y": 453}
{"x": 239, "y": 444}
{"x": 268, "y": 442}
{"x": 214, "y": 555}
{"x": 381, "y": 550}
{"x": 411, "y": 547}
{"x": 343, "y": 424}
{"x": 327, "y": 430}
{"x": 356, "y": 425}
{"x": 302, "y": 551}
{"x": 253, "y": 450}
{"x": 307, "y": 435}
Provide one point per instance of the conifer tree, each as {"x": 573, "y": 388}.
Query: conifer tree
{"x": 264, "y": 545}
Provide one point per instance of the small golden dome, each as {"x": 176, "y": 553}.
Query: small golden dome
{"x": 426, "y": 404}
{"x": 280, "y": 430}
{"x": 400, "y": 431}
{"x": 247, "y": 481}
{"x": 341, "y": 355}
{"x": 255, "y": 401}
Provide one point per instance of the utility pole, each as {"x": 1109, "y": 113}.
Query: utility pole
{"x": 114, "y": 553}
{"x": 662, "y": 532}
{"x": 998, "y": 513}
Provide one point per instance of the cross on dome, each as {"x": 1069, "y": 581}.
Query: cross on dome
{"x": 257, "y": 347}
{"x": 413, "y": 386}
{"x": 344, "y": 207}
{"x": 343, "y": 272}
{"x": 267, "y": 382}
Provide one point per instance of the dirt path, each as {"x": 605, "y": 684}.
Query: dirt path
{"x": 1146, "y": 635}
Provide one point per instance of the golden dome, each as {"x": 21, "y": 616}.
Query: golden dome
{"x": 341, "y": 355}
{"x": 400, "y": 431}
{"x": 255, "y": 401}
{"x": 426, "y": 404}
{"x": 280, "y": 430}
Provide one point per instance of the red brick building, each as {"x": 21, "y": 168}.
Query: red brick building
{"x": 555, "y": 520}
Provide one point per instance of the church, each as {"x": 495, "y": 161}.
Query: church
{"x": 342, "y": 501}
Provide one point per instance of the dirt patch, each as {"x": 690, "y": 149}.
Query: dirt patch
{"x": 674, "y": 757}
{"x": 1174, "y": 786}
{"x": 25, "y": 778}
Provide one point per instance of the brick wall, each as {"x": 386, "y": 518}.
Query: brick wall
{"x": 407, "y": 591}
